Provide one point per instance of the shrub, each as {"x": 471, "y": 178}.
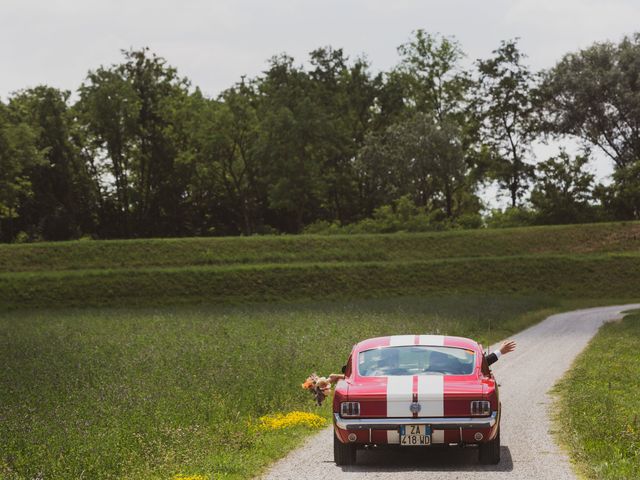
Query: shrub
{"x": 511, "y": 217}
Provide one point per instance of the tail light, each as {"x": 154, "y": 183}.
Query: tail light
{"x": 350, "y": 409}
{"x": 480, "y": 408}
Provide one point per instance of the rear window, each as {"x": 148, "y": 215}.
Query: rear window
{"x": 415, "y": 360}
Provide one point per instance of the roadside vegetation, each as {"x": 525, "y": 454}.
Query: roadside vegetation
{"x": 599, "y": 400}
{"x": 160, "y": 392}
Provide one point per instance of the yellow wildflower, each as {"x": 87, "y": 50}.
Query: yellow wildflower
{"x": 279, "y": 420}
{"x": 190, "y": 477}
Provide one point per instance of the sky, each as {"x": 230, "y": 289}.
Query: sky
{"x": 215, "y": 42}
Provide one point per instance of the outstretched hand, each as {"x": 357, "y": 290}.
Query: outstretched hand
{"x": 334, "y": 377}
{"x": 508, "y": 346}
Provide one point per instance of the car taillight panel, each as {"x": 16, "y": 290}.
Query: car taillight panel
{"x": 350, "y": 409}
{"x": 480, "y": 408}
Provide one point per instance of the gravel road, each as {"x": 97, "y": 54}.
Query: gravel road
{"x": 544, "y": 353}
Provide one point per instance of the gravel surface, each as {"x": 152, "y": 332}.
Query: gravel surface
{"x": 544, "y": 353}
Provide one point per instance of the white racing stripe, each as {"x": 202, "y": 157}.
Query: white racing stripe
{"x": 430, "y": 390}
{"x": 401, "y": 340}
{"x": 435, "y": 340}
{"x": 431, "y": 395}
{"x": 399, "y": 396}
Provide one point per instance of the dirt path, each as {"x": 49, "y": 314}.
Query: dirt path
{"x": 545, "y": 351}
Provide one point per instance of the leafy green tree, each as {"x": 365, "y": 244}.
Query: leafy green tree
{"x": 563, "y": 190}
{"x": 240, "y": 169}
{"x": 506, "y": 113}
{"x": 64, "y": 198}
{"x": 221, "y": 147}
{"x": 434, "y": 80}
{"x": 108, "y": 111}
{"x": 344, "y": 95}
{"x": 425, "y": 159}
{"x": 291, "y": 144}
{"x": 426, "y": 148}
{"x": 192, "y": 130}
{"x": 621, "y": 199}
{"x": 18, "y": 154}
{"x": 127, "y": 111}
{"x": 593, "y": 95}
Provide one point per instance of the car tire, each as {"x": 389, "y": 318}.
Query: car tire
{"x": 343, "y": 453}
{"x": 489, "y": 452}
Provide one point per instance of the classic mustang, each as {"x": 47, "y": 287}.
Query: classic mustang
{"x": 416, "y": 391}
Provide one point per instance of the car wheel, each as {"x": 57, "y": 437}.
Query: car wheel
{"x": 343, "y": 453}
{"x": 490, "y": 451}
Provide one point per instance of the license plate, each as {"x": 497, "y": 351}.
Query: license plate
{"x": 415, "y": 435}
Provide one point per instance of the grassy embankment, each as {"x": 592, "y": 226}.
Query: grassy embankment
{"x": 599, "y": 416}
{"x": 599, "y": 260}
{"x": 156, "y": 391}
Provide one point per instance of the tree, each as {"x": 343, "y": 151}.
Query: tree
{"x": 290, "y": 144}
{"x": 344, "y": 96}
{"x": 434, "y": 82}
{"x": 621, "y": 199}
{"x": 222, "y": 140}
{"x": 593, "y": 95}
{"x": 126, "y": 110}
{"x": 18, "y": 153}
{"x": 63, "y": 202}
{"x": 425, "y": 159}
{"x": 563, "y": 190}
{"x": 108, "y": 111}
{"x": 506, "y": 113}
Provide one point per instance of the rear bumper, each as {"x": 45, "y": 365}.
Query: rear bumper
{"x": 441, "y": 423}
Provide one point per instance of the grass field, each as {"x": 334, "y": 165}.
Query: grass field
{"x": 599, "y": 401}
{"x": 599, "y": 261}
{"x": 154, "y": 358}
{"x": 152, "y": 393}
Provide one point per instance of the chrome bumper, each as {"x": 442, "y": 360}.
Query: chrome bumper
{"x": 441, "y": 423}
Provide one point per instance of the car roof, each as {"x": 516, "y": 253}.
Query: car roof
{"x": 405, "y": 340}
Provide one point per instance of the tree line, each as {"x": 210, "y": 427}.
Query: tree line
{"x": 326, "y": 146}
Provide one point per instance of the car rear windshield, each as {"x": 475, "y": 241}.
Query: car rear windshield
{"x": 415, "y": 360}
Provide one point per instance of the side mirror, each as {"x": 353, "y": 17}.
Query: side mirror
{"x": 344, "y": 369}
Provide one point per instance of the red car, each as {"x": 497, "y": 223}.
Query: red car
{"x": 416, "y": 391}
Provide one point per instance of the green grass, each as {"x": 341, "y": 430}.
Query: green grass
{"x": 116, "y": 254}
{"x": 597, "y": 260}
{"x": 183, "y": 356}
{"x": 599, "y": 416}
{"x": 596, "y": 276}
{"x": 150, "y": 393}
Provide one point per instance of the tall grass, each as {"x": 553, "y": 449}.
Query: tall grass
{"x": 599, "y": 401}
{"x": 152, "y": 393}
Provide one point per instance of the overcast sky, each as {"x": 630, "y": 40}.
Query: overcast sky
{"x": 214, "y": 42}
